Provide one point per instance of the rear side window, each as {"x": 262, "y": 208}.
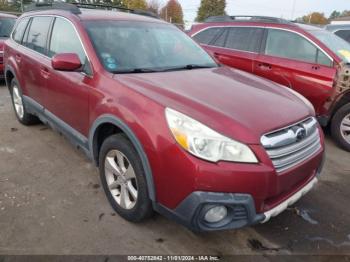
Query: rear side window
{"x": 208, "y": 35}
{"x": 345, "y": 34}
{"x": 36, "y": 38}
{"x": 64, "y": 39}
{"x": 244, "y": 38}
{"x": 19, "y": 30}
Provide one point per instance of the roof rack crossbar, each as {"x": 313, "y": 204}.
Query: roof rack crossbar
{"x": 227, "y": 18}
{"x": 75, "y": 8}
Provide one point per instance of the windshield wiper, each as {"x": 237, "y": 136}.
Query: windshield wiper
{"x": 189, "y": 67}
{"x": 135, "y": 71}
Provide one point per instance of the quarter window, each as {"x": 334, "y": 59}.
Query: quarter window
{"x": 244, "y": 38}
{"x": 37, "y": 35}
{"x": 19, "y": 30}
{"x": 206, "y": 36}
{"x": 64, "y": 39}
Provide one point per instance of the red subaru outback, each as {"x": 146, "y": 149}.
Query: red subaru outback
{"x": 171, "y": 131}
{"x": 7, "y": 22}
{"x": 307, "y": 59}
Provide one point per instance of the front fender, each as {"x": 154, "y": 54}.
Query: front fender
{"x": 111, "y": 119}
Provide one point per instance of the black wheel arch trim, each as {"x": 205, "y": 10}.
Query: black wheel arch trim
{"x": 111, "y": 119}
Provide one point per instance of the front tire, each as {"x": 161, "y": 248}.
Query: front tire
{"x": 123, "y": 179}
{"x": 20, "y": 109}
{"x": 341, "y": 127}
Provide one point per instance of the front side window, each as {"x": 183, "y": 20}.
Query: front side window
{"x": 19, "y": 30}
{"x": 244, "y": 38}
{"x": 290, "y": 45}
{"x": 37, "y": 35}
{"x": 138, "y": 47}
{"x": 208, "y": 35}
{"x": 64, "y": 39}
{"x": 6, "y": 26}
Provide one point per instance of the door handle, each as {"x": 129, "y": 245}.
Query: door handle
{"x": 315, "y": 67}
{"x": 18, "y": 58}
{"x": 45, "y": 72}
{"x": 265, "y": 66}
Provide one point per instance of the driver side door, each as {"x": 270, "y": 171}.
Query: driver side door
{"x": 67, "y": 96}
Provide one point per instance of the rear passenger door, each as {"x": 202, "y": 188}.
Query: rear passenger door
{"x": 233, "y": 46}
{"x": 67, "y": 95}
{"x": 293, "y": 61}
{"x": 241, "y": 47}
{"x": 32, "y": 57}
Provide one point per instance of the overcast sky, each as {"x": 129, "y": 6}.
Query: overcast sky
{"x": 277, "y": 8}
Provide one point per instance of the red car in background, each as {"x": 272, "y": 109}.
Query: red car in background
{"x": 7, "y": 22}
{"x": 307, "y": 59}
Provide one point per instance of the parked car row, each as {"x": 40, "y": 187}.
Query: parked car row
{"x": 170, "y": 129}
{"x": 304, "y": 58}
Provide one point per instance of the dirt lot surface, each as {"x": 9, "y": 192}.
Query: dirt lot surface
{"x": 51, "y": 202}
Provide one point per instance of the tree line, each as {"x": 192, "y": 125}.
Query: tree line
{"x": 321, "y": 19}
{"x": 172, "y": 11}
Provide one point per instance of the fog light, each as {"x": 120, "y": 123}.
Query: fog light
{"x": 215, "y": 214}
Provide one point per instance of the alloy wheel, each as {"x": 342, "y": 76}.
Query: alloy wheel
{"x": 17, "y": 101}
{"x": 345, "y": 128}
{"x": 121, "y": 179}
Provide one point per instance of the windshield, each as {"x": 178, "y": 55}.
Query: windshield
{"x": 6, "y": 25}
{"x": 335, "y": 43}
{"x": 134, "y": 47}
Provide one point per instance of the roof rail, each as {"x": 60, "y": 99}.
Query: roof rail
{"x": 227, "y": 18}
{"x": 75, "y": 8}
{"x": 53, "y": 5}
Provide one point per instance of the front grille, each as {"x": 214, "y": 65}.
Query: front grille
{"x": 292, "y": 145}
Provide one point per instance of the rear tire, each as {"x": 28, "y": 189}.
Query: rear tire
{"x": 20, "y": 109}
{"x": 341, "y": 127}
{"x": 123, "y": 179}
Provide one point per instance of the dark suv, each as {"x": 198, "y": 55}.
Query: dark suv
{"x": 307, "y": 59}
{"x": 170, "y": 129}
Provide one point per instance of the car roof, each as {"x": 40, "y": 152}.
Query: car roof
{"x": 93, "y": 14}
{"x": 337, "y": 27}
{"x": 6, "y": 15}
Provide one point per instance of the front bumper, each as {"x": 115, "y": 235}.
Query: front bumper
{"x": 241, "y": 208}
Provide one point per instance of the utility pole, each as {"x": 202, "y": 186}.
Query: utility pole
{"x": 293, "y": 9}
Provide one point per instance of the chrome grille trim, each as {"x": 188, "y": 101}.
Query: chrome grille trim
{"x": 292, "y": 145}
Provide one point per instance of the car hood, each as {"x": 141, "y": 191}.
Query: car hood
{"x": 232, "y": 102}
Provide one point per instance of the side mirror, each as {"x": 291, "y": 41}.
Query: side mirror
{"x": 66, "y": 62}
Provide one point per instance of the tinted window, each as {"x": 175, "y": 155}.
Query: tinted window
{"x": 290, "y": 45}
{"x": 6, "y": 26}
{"x": 37, "y": 35}
{"x": 64, "y": 39}
{"x": 345, "y": 34}
{"x": 19, "y": 31}
{"x": 220, "y": 39}
{"x": 206, "y": 36}
{"x": 244, "y": 38}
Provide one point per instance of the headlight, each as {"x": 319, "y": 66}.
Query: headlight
{"x": 204, "y": 142}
